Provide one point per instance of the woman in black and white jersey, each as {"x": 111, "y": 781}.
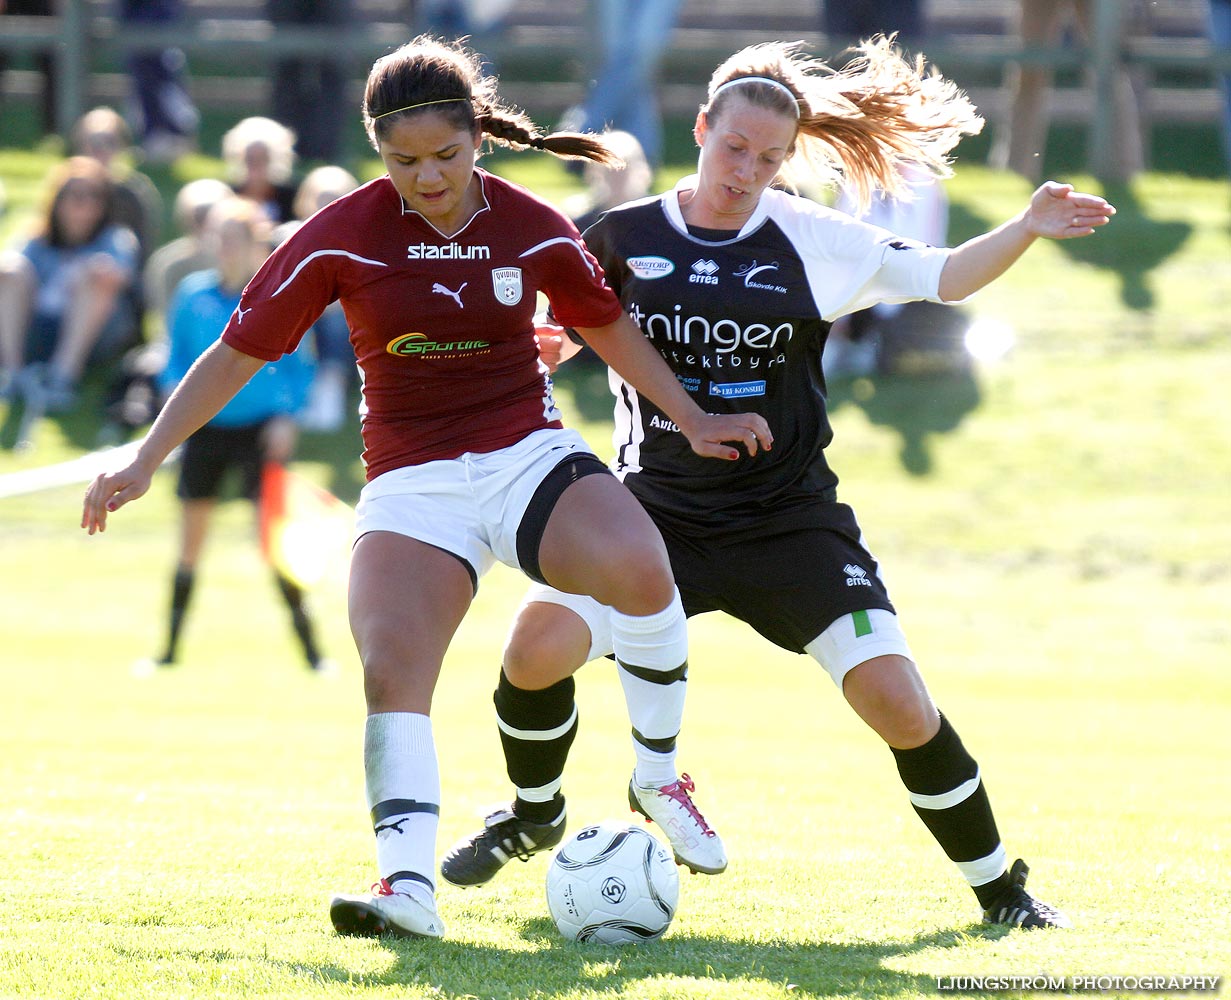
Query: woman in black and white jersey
{"x": 736, "y": 282}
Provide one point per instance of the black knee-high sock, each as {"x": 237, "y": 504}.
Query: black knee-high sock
{"x": 536, "y": 730}
{"x": 293, "y": 594}
{"x": 947, "y": 792}
{"x": 181, "y": 596}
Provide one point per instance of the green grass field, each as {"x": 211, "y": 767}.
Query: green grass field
{"x": 1056, "y": 534}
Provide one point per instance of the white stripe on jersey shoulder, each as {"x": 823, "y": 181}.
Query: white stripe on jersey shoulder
{"x": 567, "y": 240}
{"x": 325, "y": 253}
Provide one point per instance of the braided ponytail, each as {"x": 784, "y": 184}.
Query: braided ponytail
{"x": 428, "y": 74}
{"x": 514, "y": 129}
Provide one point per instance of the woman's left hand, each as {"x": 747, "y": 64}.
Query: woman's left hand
{"x": 1058, "y": 212}
{"x": 555, "y": 345}
{"x": 712, "y": 435}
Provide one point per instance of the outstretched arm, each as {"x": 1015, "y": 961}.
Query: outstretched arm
{"x": 214, "y": 378}
{"x": 622, "y": 345}
{"x": 1055, "y": 211}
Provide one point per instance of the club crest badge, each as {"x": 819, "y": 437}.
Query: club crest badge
{"x": 507, "y": 283}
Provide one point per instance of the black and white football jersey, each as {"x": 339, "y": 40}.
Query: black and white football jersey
{"x": 741, "y": 318}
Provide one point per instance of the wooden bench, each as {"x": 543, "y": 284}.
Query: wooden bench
{"x": 542, "y": 51}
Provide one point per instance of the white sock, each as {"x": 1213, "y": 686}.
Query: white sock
{"x": 403, "y": 786}
{"x": 652, "y": 657}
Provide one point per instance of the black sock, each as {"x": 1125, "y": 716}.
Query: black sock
{"x": 957, "y": 811}
{"x": 181, "y": 596}
{"x": 293, "y": 594}
{"x": 536, "y": 730}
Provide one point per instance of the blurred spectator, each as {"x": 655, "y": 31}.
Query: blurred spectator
{"x": 855, "y": 341}
{"x": 635, "y": 35}
{"x": 131, "y": 399}
{"x": 62, "y": 292}
{"x": 455, "y": 18}
{"x": 103, "y": 135}
{"x": 335, "y": 371}
{"x": 259, "y": 157}
{"x": 1021, "y": 143}
{"x": 257, "y": 426}
{"x": 309, "y": 91}
{"x": 44, "y": 63}
{"x": 1220, "y": 35}
{"x": 188, "y": 252}
{"x": 855, "y": 20}
{"x": 165, "y": 116}
{"x": 607, "y": 186}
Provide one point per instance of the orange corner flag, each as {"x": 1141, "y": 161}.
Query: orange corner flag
{"x": 306, "y": 531}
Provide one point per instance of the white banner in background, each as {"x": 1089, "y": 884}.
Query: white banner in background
{"x": 76, "y": 470}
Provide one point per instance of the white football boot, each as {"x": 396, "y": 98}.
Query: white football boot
{"x": 697, "y": 847}
{"x": 384, "y": 911}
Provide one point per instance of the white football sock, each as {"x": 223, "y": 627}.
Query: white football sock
{"x": 403, "y": 786}
{"x": 652, "y": 656}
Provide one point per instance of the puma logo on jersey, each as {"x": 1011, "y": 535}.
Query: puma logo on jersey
{"x": 455, "y": 296}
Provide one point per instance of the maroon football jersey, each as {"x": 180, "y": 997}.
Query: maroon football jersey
{"x": 442, "y": 326}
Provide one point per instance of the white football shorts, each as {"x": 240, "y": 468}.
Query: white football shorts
{"x": 472, "y": 505}
{"x": 848, "y": 642}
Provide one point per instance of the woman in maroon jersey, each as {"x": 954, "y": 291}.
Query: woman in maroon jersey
{"x": 437, "y": 265}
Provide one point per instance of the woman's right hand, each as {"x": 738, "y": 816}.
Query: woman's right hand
{"x": 110, "y": 491}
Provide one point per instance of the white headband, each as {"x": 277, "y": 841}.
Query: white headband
{"x": 759, "y": 79}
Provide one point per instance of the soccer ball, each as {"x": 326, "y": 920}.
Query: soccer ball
{"x": 614, "y": 884}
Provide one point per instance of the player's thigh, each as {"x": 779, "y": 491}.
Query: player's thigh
{"x": 406, "y": 599}
{"x": 600, "y": 541}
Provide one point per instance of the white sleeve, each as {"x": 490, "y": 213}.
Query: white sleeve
{"x": 851, "y": 265}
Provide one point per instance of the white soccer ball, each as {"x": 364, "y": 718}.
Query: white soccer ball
{"x": 614, "y": 884}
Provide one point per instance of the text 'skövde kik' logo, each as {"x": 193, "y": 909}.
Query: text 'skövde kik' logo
{"x": 752, "y": 275}
{"x": 704, "y": 272}
{"x": 857, "y": 576}
{"x": 507, "y": 283}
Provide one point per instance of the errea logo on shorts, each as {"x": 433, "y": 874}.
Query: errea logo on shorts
{"x": 650, "y": 267}
{"x": 856, "y": 576}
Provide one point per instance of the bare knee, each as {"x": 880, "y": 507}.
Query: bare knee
{"x": 548, "y": 643}
{"x": 889, "y": 694}
{"x": 640, "y": 578}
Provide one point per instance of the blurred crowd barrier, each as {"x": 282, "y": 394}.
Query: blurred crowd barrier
{"x": 543, "y": 51}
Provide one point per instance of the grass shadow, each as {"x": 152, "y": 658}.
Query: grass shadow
{"x": 917, "y": 407}
{"x": 1133, "y": 246}
{"x": 555, "y": 966}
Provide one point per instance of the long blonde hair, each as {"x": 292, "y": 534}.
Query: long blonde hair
{"x": 858, "y": 126}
